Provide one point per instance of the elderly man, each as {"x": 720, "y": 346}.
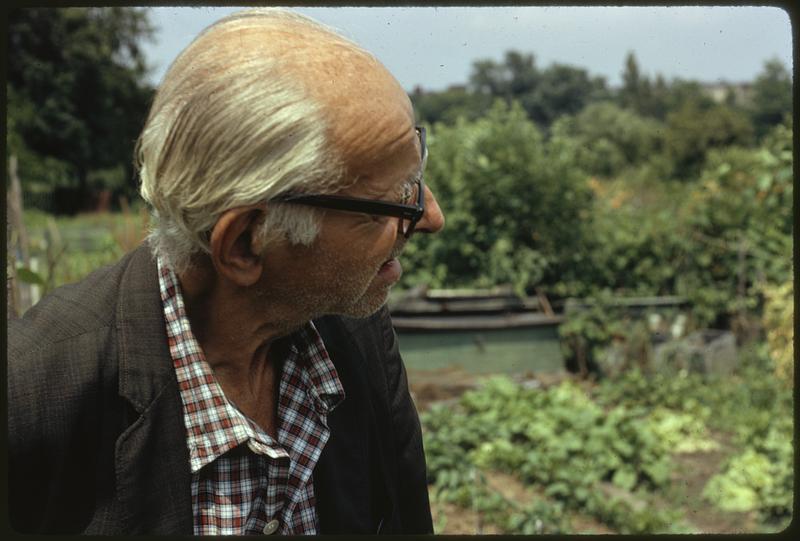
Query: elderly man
{"x": 238, "y": 373}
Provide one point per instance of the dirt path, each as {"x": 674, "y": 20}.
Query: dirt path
{"x": 691, "y": 473}
{"x": 447, "y": 384}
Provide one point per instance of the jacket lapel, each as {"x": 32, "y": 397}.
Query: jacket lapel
{"x": 350, "y": 479}
{"x": 152, "y": 460}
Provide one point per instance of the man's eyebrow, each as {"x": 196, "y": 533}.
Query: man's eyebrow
{"x": 409, "y": 181}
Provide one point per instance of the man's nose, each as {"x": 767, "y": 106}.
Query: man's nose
{"x": 433, "y": 219}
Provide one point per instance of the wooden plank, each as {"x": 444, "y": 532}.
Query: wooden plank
{"x": 479, "y": 322}
{"x": 629, "y": 302}
{"x": 546, "y": 308}
{"x": 411, "y": 306}
{"x": 426, "y": 306}
{"x": 467, "y": 293}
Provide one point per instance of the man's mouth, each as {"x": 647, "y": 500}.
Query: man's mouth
{"x": 391, "y": 270}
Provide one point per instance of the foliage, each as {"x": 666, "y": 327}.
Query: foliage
{"x": 740, "y": 403}
{"x": 639, "y": 94}
{"x": 761, "y": 476}
{"x": 562, "y": 90}
{"x": 772, "y": 97}
{"x": 449, "y": 105}
{"x": 738, "y": 226}
{"x": 544, "y": 94}
{"x": 511, "y": 200}
{"x": 584, "y": 333}
{"x": 682, "y": 92}
{"x": 657, "y": 98}
{"x": 779, "y": 324}
{"x": 633, "y": 242}
{"x": 76, "y": 97}
{"x": 692, "y": 132}
{"x": 69, "y": 248}
{"x": 717, "y": 241}
{"x": 609, "y": 138}
{"x": 581, "y": 454}
{"x": 753, "y": 406}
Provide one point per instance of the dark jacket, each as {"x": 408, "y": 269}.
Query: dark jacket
{"x": 95, "y": 424}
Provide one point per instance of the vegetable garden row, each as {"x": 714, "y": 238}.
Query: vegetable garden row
{"x": 611, "y": 451}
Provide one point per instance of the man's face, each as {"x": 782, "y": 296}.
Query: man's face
{"x": 363, "y": 249}
{"x": 351, "y": 266}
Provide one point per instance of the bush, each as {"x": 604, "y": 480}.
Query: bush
{"x": 609, "y": 138}
{"x": 513, "y": 205}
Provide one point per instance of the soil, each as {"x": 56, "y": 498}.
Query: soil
{"x": 513, "y": 489}
{"x": 442, "y": 385}
{"x": 692, "y": 472}
{"x": 446, "y": 385}
{"x": 449, "y": 519}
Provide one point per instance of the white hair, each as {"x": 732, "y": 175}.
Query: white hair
{"x": 230, "y": 127}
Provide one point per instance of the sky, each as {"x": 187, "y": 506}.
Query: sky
{"x": 435, "y": 47}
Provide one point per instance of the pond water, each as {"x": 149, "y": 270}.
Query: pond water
{"x": 486, "y": 351}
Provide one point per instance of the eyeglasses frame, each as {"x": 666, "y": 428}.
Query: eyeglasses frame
{"x": 412, "y": 213}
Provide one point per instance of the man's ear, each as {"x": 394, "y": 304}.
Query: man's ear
{"x": 232, "y": 246}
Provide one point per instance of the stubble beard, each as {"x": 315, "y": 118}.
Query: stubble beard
{"x": 354, "y": 294}
{"x": 357, "y": 295}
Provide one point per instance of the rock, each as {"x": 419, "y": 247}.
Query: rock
{"x": 707, "y": 351}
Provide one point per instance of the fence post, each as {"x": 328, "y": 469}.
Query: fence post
{"x": 11, "y": 282}
{"x": 17, "y": 236}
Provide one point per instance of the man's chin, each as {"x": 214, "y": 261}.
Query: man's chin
{"x": 367, "y": 304}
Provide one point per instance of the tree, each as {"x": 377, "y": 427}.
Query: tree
{"x": 448, "y": 105}
{"x": 692, "y": 132}
{"x": 631, "y": 93}
{"x": 512, "y": 203}
{"x": 488, "y": 77}
{"x": 76, "y": 97}
{"x": 515, "y": 76}
{"x": 738, "y": 220}
{"x": 608, "y": 138}
{"x": 772, "y": 96}
{"x": 681, "y": 93}
{"x": 721, "y": 241}
{"x": 658, "y": 104}
{"x": 545, "y": 95}
{"x": 562, "y": 90}
{"x": 641, "y": 95}
{"x": 523, "y": 75}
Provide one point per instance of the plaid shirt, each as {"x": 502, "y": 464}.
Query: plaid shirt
{"x": 243, "y": 481}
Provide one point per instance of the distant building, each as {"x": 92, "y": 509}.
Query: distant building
{"x": 419, "y": 91}
{"x": 720, "y": 90}
{"x": 457, "y": 87}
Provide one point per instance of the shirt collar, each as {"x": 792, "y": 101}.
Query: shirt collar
{"x": 214, "y": 425}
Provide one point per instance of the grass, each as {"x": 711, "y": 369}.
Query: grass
{"x": 66, "y": 249}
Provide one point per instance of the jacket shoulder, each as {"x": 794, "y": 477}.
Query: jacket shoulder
{"x": 62, "y": 351}
{"x": 68, "y": 312}
{"x": 64, "y": 410}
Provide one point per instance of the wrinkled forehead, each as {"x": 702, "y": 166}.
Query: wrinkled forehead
{"x": 367, "y": 112}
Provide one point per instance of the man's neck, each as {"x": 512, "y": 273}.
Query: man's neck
{"x": 242, "y": 345}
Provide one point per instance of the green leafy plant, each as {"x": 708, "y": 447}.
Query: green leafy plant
{"x": 557, "y": 439}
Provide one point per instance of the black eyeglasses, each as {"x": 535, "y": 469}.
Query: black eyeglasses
{"x": 409, "y": 215}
